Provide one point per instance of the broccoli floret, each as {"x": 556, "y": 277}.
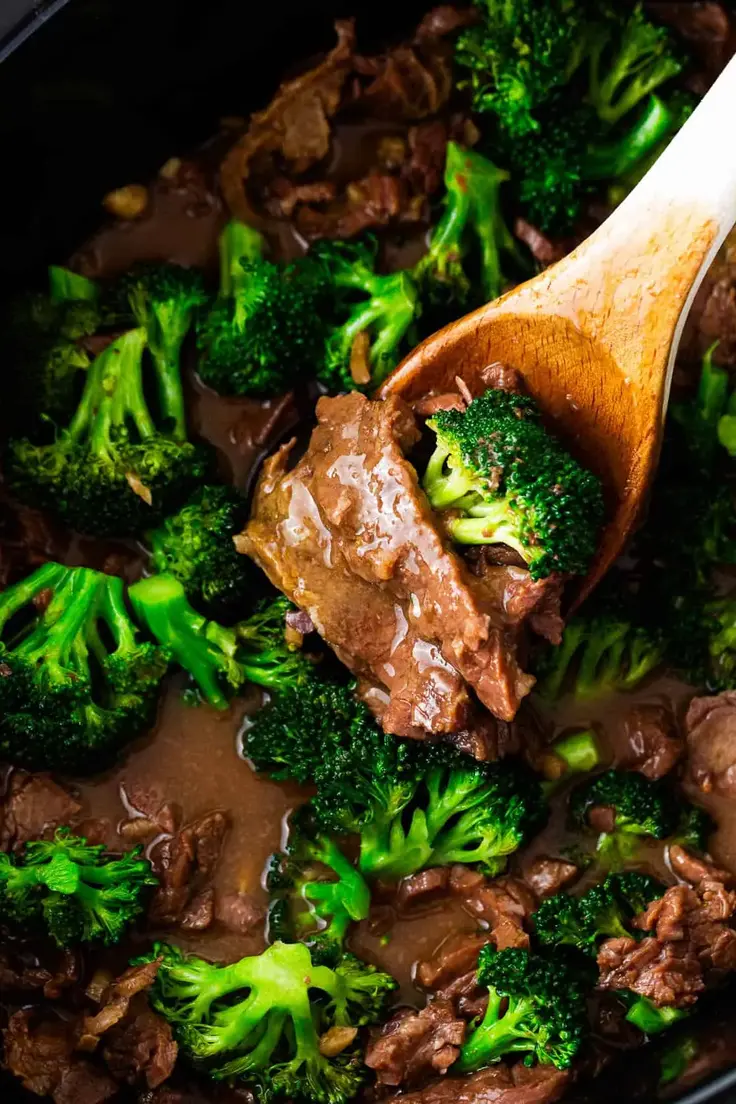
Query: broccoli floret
{"x": 196, "y": 546}
{"x": 316, "y": 892}
{"x": 267, "y": 326}
{"x": 262, "y": 1018}
{"x": 650, "y": 1017}
{"x": 536, "y": 1006}
{"x": 372, "y": 313}
{"x": 472, "y": 223}
{"x": 604, "y": 911}
{"x": 628, "y": 61}
{"x": 219, "y": 659}
{"x": 508, "y": 481}
{"x": 115, "y": 469}
{"x": 78, "y": 682}
{"x": 641, "y": 808}
{"x": 163, "y": 299}
{"x": 517, "y": 54}
{"x": 603, "y": 650}
{"x": 528, "y": 63}
{"x": 42, "y": 350}
{"x": 411, "y": 806}
{"x": 72, "y": 891}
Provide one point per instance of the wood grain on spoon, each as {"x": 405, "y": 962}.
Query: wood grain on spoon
{"x": 594, "y": 337}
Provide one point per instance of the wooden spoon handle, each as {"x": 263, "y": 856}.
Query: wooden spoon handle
{"x": 632, "y": 282}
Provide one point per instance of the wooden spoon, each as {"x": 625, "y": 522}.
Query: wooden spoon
{"x": 595, "y": 336}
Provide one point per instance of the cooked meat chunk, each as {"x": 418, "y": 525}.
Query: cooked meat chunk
{"x": 185, "y": 863}
{"x": 696, "y": 870}
{"x": 713, "y": 314}
{"x": 407, "y": 82}
{"x": 22, "y": 973}
{"x": 413, "y": 1045}
{"x": 710, "y": 728}
{"x": 142, "y": 1050}
{"x": 444, "y": 20}
{"x": 653, "y": 745}
{"x": 295, "y": 125}
{"x": 239, "y": 912}
{"x": 667, "y": 973}
{"x": 691, "y": 940}
{"x": 457, "y": 957}
{"x": 708, "y": 31}
{"x": 501, "y": 1084}
{"x": 424, "y": 886}
{"x": 33, "y": 808}
{"x": 348, "y": 535}
{"x": 43, "y": 1058}
{"x": 548, "y": 876}
{"x": 115, "y": 1000}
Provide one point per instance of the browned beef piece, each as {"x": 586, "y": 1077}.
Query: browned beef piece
{"x": 33, "y": 808}
{"x": 501, "y": 1084}
{"x": 425, "y": 165}
{"x": 295, "y": 125}
{"x": 710, "y": 730}
{"x": 413, "y": 1045}
{"x": 425, "y": 886}
{"x": 431, "y": 404}
{"x": 699, "y": 916}
{"x": 667, "y": 973}
{"x": 444, "y": 20}
{"x": 115, "y": 1001}
{"x": 42, "y": 1057}
{"x": 377, "y": 199}
{"x": 456, "y": 958}
{"x": 407, "y": 82}
{"x": 185, "y": 864}
{"x": 548, "y": 876}
{"x": 696, "y": 870}
{"x": 653, "y": 744}
{"x": 544, "y": 249}
{"x": 713, "y": 313}
{"x": 406, "y": 681}
{"x": 352, "y": 505}
{"x": 141, "y": 1050}
{"x": 502, "y": 906}
{"x": 23, "y": 974}
{"x": 465, "y": 995}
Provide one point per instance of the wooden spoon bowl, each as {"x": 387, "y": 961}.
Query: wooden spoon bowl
{"x": 595, "y": 336}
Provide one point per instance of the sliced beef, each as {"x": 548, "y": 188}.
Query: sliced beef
{"x": 21, "y": 973}
{"x": 42, "y": 1056}
{"x": 295, "y": 126}
{"x": 240, "y": 913}
{"x": 185, "y": 864}
{"x": 141, "y": 1050}
{"x": 432, "y": 404}
{"x": 544, "y": 249}
{"x": 695, "y": 870}
{"x": 444, "y": 20}
{"x": 689, "y": 941}
{"x": 352, "y": 505}
{"x": 414, "y": 1045}
{"x": 710, "y": 729}
{"x": 548, "y": 876}
{"x": 374, "y": 200}
{"x": 502, "y": 907}
{"x": 115, "y": 1002}
{"x": 708, "y": 31}
{"x": 425, "y": 886}
{"x": 712, "y": 316}
{"x": 500, "y": 1084}
{"x": 406, "y": 83}
{"x": 33, "y": 807}
{"x": 667, "y": 973}
{"x": 653, "y": 746}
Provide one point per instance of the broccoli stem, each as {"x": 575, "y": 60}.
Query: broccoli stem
{"x": 444, "y": 485}
{"x": 639, "y": 66}
{"x": 238, "y": 243}
{"x": 607, "y": 161}
{"x": 67, "y": 286}
{"x": 579, "y": 751}
{"x": 355, "y": 897}
{"x": 387, "y": 851}
{"x": 113, "y": 396}
{"x": 495, "y": 1036}
{"x": 58, "y": 639}
{"x": 488, "y": 523}
{"x": 199, "y": 646}
{"x": 651, "y": 1019}
{"x": 14, "y": 599}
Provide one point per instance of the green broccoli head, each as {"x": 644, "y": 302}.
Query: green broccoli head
{"x": 508, "y": 481}
{"x": 43, "y": 350}
{"x": 649, "y": 1017}
{"x": 196, "y": 546}
{"x": 536, "y": 1007}
{"x": 608, "y": 647}
{"x": 411, "y": 806}
{"x": 264, "y": 654}
{"x": 316, "y": 892}
{"x": 261, "y": 1019}
{"x": 72, "y": 891}
{"x": 470, "y": 229}
{"x": 604, "y": 911}
{"x": 162, "y": 300}
{"x": 641, "y": 808}
{"x": 371, "y": 315}
{"x": 114, "y": 470}
{"x": 79, "y": 682}
{"x": 266, "y": 328}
